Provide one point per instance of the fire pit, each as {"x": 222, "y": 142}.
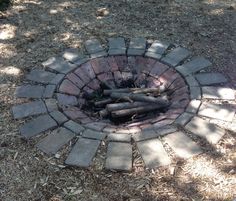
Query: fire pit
{"x": 134, "y": 94}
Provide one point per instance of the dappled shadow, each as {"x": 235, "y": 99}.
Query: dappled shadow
{"x": 34, "y": 30}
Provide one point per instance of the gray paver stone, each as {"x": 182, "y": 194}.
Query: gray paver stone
{"x": 117, "y": 52}
{"x": 49, "y": 91}
{"x": 74, "y": 127}
{"x": 195, "y": 93}
{"x": 29, "y": 91}
{"x": 65, "y": 100}
{"x": 55, "y": 140}
{"x": 83, "y": 152}
{"x": 193, "y": 66}
{"x": 40, "y": 76}
{"x": 80, "y": 61}
{"x": 153, "y": 55}
{"x": 182, "y": 145}
{"x": 59, "y": 65}
{"x": 204, "y": 129}
{"x": 191, "y": 81}
{"x": 59, "y": 117}
{"x": 176, "y": 56}
{"x": 51, "y": 104}
{"x": 72, "y": 55}
{"x": 119, "y": 156}
{"x": 119, "y": 137}
{"x": 210, "y": 78}
{"x": 222, "y": 93}
{"x": 137, "y": 43}
{"x": 153, "y": 153}
{"x": 94, "y": 134}
{"x": 29, "y": 109}
{"x": 216, "y": 111}
{"x": 98, "y": 54}
{"x": 37, "y": 126}
{"x": 193, "y": 106}
{"x": 57, "y": 80}
{"x": 184, "y": 118}
{"x": 117, "y": 43}
{"x": 158, "y": 47}
{"x": 93, "y": 46}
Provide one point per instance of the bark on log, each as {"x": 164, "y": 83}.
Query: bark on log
{"x": 140, "y": 97}
{"x": 103, "y": 102}
{"x": 137, "y": 110}
{"x": 120, "y": 106}
{"x": 103, "y": 113}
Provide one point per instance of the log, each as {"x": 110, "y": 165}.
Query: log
{"x": 103, "y": 113}
{"x": 160, "y": 89}
{"x": 137, "y": 110}
{"x": 162, "y": 101}
{"x": 120, "y": 106}
{"x": 101, "y": 103}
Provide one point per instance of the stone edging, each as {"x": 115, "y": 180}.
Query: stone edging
{"x": 64, "y": 77}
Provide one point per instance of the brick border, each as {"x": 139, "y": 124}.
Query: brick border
{"x": 63, "y": 78}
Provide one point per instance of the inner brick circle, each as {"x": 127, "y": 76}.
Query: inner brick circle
{"x": 88, "y": 77}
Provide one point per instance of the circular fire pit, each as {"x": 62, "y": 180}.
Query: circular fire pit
{"x": 132, "y": 93}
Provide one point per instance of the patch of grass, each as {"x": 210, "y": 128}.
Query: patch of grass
{"x": 4, "y": 4}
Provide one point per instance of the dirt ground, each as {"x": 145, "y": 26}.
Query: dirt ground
{"x": 33, "y": 30}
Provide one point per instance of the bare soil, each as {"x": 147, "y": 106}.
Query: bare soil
{"x": 33, "y": 30}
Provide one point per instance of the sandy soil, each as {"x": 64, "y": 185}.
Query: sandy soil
{"x": 33, "y": 30}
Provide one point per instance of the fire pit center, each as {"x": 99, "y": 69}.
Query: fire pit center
{"x": 134, "y": 92}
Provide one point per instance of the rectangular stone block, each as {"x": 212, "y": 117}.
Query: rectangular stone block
{"x": 51, "y": 104}
{"x": 222, "y": 93}
{"x": 135, "y": 52}
{"x": 57, "y": 80}
{"x": 210, "y": 78}
{"x": 29, "y": 109}
{"x": 158, "y": 47}
{"x": 175, "y": 56}
{"x": 195, "y": 93}
{"x": 137, "y": 43}
{"x": 193, "y": 106}
{"x": 40, "y": 76}
{"x": 93, "y": 46}
{"x": 59, "y": 117}
{"x": 29, "y": 91}
{"x": 206, "y": 130}
{"x": 72, "y": 54}
{"x": 117, "y": 43}
{"x": 49, "y": 91}
{"x": 83, "y": 152}
{"x": 94, "y": 134}
{"x": 37, "y": 126}
{"x": 182, "y": 145}
{"x": 153, "y": 153}
{"x": 98, "y": 54}
{"x": 59, "y": 65}
{"x": 184, "y": 118}
{"x": 216, "y": 111}
{"x": 74, "y": 127}
{"x": 194, "y": 66}
{"x": 191, "y": 81}
{"x": 114, "y": 137}
{"x": 153, "y": 55}
{"x": 55, "y": 140}
{"x": 119, "y": 156}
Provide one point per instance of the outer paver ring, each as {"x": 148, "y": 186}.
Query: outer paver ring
{"x": 58, "y": 86}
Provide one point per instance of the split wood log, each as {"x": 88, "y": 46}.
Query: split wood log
{"x": 137, "y": 110}
{"x": 103, "y": 102}
{"x": 161, "y": 101}
{"x": 160, "y": 89}
{"x": 120, "y": 106}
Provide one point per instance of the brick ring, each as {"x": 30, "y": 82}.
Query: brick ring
{"x": 58, "y": 88}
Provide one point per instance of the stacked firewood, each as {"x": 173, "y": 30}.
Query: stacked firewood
{"x": 126, "y": 102}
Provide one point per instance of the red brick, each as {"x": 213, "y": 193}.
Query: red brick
{"x": 141, "y": 79}
{"x": 88, "y": 69}
{"x": 100, "y": 65}
{"x": 168, "y": 77}
{"x": 122, "y": 62}
{"x": 112, "y": 63}
{"x": 75, "y": 80}
{"x": 153, "y": 82}
{"x": 94, "y": 84}
{"x": 183, "y": 90}
{"x": 163, "y": 123}
{"x": 141, "y": 64}
{"x": 88, "y": 90}
{"x": 126, "y": 75}
{"x": 82, "y": 75}
{"x": 179, "y": 104}
{"x": 172, "y": 116}
{"x": 68, "y": 87}
{"x": 158, "y": 69}
{"x": 105, "y": 76}
{"x": 117, "y": 76}
{"x": 145, "y": 126}
{"x": 178, "y": 83}
{"x": 180, "y": 97}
